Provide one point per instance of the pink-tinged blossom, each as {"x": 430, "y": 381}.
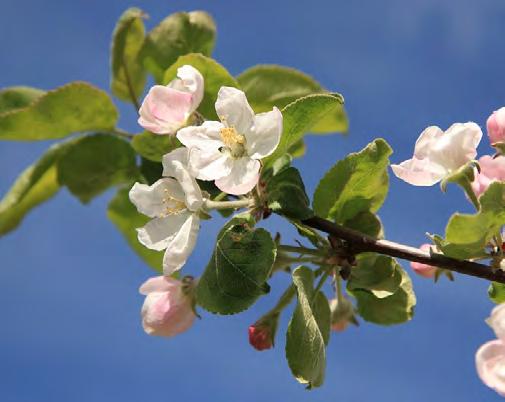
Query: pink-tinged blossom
{"x": 230, "y": 151}
{"x": 490, "y": 363}
{"x": 497, "y": 321}
{"x": 437, "y": 154}
{"x": 165, "y": 109}
{"x": 496, "y": 126}
{"x": 167, "y": 309}
{"x": 342, "y": 314}
{"x": 424, "y": 270}
{"x": 491, "y": 170}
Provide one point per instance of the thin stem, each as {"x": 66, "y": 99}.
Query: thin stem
{"x": 298, "y": 250}
{"x": 360, "y": 242}
{"x": 338, "y": 287}
{"x": 121, "y": 133}
{"x": 222, "y": 195}
{"x": 320, "y": 284}
{"x": 236, "y": 204}
{"x": 284, "y": 300}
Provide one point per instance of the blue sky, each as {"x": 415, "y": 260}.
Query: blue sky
{"x": 68, "y": 282}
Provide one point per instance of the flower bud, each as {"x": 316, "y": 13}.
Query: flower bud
{"x": 425, "y": 270}
{"x": 342, "y": 313}
{"x": 491, "y": 170}
{"x": 262, "y": 332}
{"x": 496, "y": 126}
{"x": 168, "y": 306}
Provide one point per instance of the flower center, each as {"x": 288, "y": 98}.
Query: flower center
{"x": 233, "y": 141}
{"x": 172, "y": 206}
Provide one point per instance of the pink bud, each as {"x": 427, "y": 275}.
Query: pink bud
{"x": 167, "y": 309}
{"x": 260, "y": 336}
{"x": 490, "y": 363}
{"x": 342, "y": 313}
{"x": 496, "y": 126}
{"x": 491, "y": 170}
{"x": 340, "y": 326}
{"x": 425, "y": 270}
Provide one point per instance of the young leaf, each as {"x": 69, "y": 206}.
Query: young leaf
{"x": 74, "y": 107}
{"x": 379, "y": 274}
{"x": 366, "y": 222}
{"x": 308, "y": 331}
{"x": 128, "y": 77}
{"x": 237, "y": 272}
{"x": 395, "y": 309}
{"x": 150, "y": 171}
{"x": 496, "y": 292}
{"x": 125, "y": 217}
{"x": 302, "y": 116}
{"x": 18, "y": 97}
{"x": 356, "y": 184}
{"x": 154, "y": 146}
{"x": 286, "y": 195}
{"x": 178, "y": 34}
{"x": 466, "y": 236}
{"x": 95, "y": 163}
{"x": 35, "y": 185}
{"x": 214, "y": 75}
{"x": 267, "y": 86}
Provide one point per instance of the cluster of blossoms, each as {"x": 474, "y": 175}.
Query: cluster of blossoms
{"x": 439, "y": 155}
{"x": 227, "y": 152}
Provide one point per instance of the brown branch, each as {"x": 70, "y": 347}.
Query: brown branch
{"x": 360, "y": 242}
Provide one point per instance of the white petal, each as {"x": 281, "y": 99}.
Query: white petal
{"x": 159, "y": 232}
{"x": 426, "y": 140}
{"x": 149, "y": 200}
{"x": 181, "y": 245}
{"x": 234, "y": 110}
{"x": 175, "y": 164}
{"x": 243, "y": 177}
{"x": 419, "y": 172}
{"x": 264, "y": 136}
{"x": 189, "y": 80}
{"x": 490, "y": 363}
{"x": 205, "y": 137}
{"x": 159, "y": 284}
{"x": 457, "y": 146}
{"x": 210, "y": 165}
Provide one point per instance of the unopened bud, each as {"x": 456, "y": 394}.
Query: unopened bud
{"x": 262, "y": 332}
{"x": 342, "y": 313}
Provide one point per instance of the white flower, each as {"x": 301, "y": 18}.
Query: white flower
{"x": 497, "y": 321}
{"x": 174, "y": 205}
{"x": 229, "y": 151}
{"x": 165, "y": 109}
{"x": 438, "y": 154}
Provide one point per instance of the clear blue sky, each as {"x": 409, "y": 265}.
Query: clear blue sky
{"x": 68, "y": 283}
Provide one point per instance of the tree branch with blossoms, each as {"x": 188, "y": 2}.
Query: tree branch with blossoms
{"x": 218, "y": 145}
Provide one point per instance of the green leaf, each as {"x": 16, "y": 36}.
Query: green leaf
{"x": 18, "y": 97}
{"x": 308, "y": 331}
{"x": 74, "y": 107}
{"x": 128, "y": 76}
{"x": 95, "y": 163}
{"x": 150, "y": 171}
{"x": 178, "y": 34}
{"x": 366, "y": 222}
{"x": 298, "y": 149}
{"x": 36, "y": 184}
{"x": 496, "y": 292}
{"x": 359, "y": 183}
{"x": 125, "y": 217}
{"x": 154, "y": 146}
{"x": 395, "y": 309}
{"x": 237, "y": 272}
{"x": 286, "y": 195}
{"x": 378, "y": 274}
{"x": 302, "y": 116}
{"x": 267, "y": 86}
{"x": 466, "y": 236}
{"x": 214, "y": 75}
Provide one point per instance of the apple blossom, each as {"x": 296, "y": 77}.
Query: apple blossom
{"x": 490, "y": 362}
{"x": 168, "y": 307}
{"x": 342, "y": 313}
{"x": 174, "y": 205}
{"x": 425, "y": 270}
{"x": 437, "y": 154}
{"x": 496, "y": 126}
{"x": 497, "y": 321}
{"x": 165, "y": 109}
{"x": 491, "y": 170}
{"x": 229, "y": 151}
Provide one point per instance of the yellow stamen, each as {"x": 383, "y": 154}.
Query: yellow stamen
{"x": 173, "y": 206}
{"x": 231, "y": 138}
